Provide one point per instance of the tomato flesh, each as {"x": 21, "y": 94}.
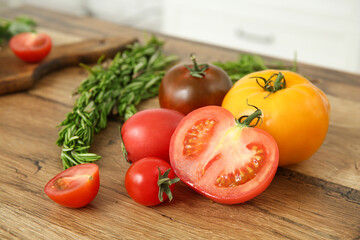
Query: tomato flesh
{"x": 197, "y": 136}
{"x": 31, "y": 47}
{"x": 243, "y": 173}
{"x": 74, "y": 187}
{"x": 221, "y": 159}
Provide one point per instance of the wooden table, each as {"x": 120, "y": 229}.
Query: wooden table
{"x": 316, "y": 199}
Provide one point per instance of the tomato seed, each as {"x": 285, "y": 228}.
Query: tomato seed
{"x": 241, "y": 176}
{"x": 197, "y": 136}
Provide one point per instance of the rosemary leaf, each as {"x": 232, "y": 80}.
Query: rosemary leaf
{"x": 133, "y": 75}
{"x": 248, "y": 63}
{"x": 9, "y": 28}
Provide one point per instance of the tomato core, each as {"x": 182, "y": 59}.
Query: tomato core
{"x": 35, "y": 41}
{"x": 245, "y": 173}
{"x": 64, "y": 183}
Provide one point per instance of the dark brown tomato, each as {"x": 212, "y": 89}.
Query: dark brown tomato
{"x": 184, "y": 92}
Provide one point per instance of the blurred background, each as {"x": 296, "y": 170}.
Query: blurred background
{"x": 321, "y": 32}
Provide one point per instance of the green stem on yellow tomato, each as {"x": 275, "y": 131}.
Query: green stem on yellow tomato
{"x": 270, "y": 85}
{"x": 249, "y": 118}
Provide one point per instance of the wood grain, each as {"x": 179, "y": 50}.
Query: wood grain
{"x": 316, "y": 199}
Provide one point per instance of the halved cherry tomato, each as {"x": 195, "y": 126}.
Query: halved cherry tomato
{"x": 75, "y": 187}
{"x": 147, "y": 133}
{"x": 186, "y": 88}
{"x": 149, "y": 181}
{"x": 31, "y": 47}
{"x": 221, "y": 158}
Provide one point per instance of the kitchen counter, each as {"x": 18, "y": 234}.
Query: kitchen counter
{"x": 316, "y": 199}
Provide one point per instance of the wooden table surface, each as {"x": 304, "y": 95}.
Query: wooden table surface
{"x": 316, "y": 199}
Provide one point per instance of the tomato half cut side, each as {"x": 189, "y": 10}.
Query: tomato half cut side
{"x": 74, "y": 187}
{"x": 222, "y": 159}
{"x": 31, "y": 47}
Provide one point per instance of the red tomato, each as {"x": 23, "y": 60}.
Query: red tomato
{"x": 141, "y": 181}
{"x": 185, "y": 88}
{"x": 31, "y": 47}
{"x": 147, "y": 133}
{"x": 76, "y": 186}
{"x": 221, "y": 158}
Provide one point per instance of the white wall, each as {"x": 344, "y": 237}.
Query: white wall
{"x": 321, "y": 32}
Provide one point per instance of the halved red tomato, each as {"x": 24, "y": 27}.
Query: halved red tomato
{"x": 74, "y": 187}
{"x": 31, "y": 47}
{"x": 222, "y": 158}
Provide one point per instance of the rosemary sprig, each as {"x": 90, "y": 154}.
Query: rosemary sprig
{"x": 248, "y": 63}
{"x": 9, "y": 28}
{"x": 134, "y": 75}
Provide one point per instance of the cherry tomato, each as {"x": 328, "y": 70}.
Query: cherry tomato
{"x": 222, "y": 158}
{"x": 185, "y": 88}
{"x": 296, "y": 113}
{"x": 76, "y": 186}
{"x": 143, "y": 182}
{"x": 147, "y": 133}
{"x": 31, "y": 47}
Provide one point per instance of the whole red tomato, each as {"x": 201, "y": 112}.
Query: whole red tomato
{"x": 147, "y": 133}
{"x": 185, "y": 88}
{"x": 31, "y": 47}
{"x": 149, "y": 181}
{"x": 222, "y": 157}
{"x": 76, "y": 186}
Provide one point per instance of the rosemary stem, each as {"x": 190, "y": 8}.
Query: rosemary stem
{"x": 133, "y": 76}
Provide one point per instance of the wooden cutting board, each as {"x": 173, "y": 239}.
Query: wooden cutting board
{"x": 16, "y": 75}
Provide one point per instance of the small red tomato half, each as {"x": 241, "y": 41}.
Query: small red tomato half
{"x": 186, "y": 88}
{"x": 146, "y": 185}
{"x": 147, "y": 133}
{"x": 222, "y": 158}
{"x": 76, "y": 186}
{"x": 31, "y": 47}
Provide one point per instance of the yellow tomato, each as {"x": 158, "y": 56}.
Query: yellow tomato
{"x": 295, "y": 112}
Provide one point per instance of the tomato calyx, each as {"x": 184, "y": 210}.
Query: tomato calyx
{"x": 271, "y": 85}
{"x": 246, "y": 120}
{"x": 164, "y": 183}
{"x": 197, "y": 70}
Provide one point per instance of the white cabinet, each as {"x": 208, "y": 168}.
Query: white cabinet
{"x": 321, "y": 32}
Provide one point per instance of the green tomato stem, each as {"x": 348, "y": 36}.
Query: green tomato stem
{"x": 270, "y": 85}
{"x": 164, "y": 183}
{"x": 249, "y": 118}
{"x": 197, "y": 70}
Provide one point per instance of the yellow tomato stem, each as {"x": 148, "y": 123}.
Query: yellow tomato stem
{"x": 280, "y": 82}
{"x": 270, "y": 85}
{"x": 249, "y": 118}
